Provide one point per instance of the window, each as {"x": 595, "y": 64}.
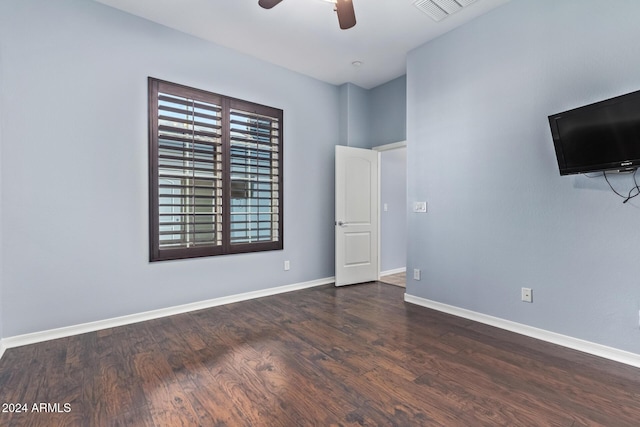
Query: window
{"x": 215, "y": 174}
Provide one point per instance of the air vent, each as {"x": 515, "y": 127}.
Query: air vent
{"x": 440, "y": 9}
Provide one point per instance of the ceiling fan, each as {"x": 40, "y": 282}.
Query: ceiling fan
{"x": 344, "y": 8}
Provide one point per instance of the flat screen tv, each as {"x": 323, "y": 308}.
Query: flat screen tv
{"x": 598, "y": 137}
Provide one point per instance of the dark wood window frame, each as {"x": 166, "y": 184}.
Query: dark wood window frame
{"x": 215, "y": 174}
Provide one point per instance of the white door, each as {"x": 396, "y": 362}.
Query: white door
{"x": 356, "y": 220}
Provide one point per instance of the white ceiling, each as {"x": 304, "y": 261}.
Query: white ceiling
{"x": 303, "y": 35}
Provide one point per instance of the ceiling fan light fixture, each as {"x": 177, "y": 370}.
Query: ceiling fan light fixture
{"x": 346, "y": 14}
{"x": 344, "y": 9}
{"x": 268, "y": 4}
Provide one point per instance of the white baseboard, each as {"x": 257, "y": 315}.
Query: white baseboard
{"x": 36, "y": 337}
{"x": 394, "y": 271}
{"x": 610, "y": 353}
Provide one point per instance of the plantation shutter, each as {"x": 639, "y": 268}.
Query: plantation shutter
{"x": 215, "y": 174}
{"x": 254, "y": 175}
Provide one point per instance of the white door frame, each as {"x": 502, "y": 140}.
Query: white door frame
{"x": 379, "y": 149}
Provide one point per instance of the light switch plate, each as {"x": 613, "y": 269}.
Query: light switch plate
{"x": 420, "y": 207}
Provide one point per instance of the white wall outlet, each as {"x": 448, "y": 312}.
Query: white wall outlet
{"x": 287, "y": 265}
{"x": 416, "y": 274}
{"x": 420, "y": 207}
{"x": 527, "y": 295}
{"x": 385, "y": 207}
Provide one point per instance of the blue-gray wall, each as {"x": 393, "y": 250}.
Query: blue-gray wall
{"x": 1, "y": 258}
{"x": 373, "y": 117}
{"x": 388, "y": 112}
{"x": 354, "y": 126}
{"x": 480, "y": 152}
{"x": 74, "y": 166}
{"x": 393, "y": 221}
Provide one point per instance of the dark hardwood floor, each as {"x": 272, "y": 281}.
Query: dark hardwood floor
{"x": 324, "y": 356}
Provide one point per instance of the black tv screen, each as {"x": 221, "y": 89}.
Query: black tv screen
{"x": 598, "y": 137}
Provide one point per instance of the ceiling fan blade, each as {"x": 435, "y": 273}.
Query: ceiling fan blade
{"x": 346, "y": 14}
{"x": 268, "y": 4}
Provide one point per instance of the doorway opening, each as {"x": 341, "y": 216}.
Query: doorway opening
{"x": 393, "y": 213}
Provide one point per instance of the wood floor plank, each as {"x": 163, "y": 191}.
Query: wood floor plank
{"x": 277, "y": 365}
{"x": 557, "y": 388}
{"x": 349, "y": 356}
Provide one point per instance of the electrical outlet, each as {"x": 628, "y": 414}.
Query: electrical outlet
{"x": 416, "y": 274}
{"x": 287, "y": 265}
{"x": 527, "y": 295}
